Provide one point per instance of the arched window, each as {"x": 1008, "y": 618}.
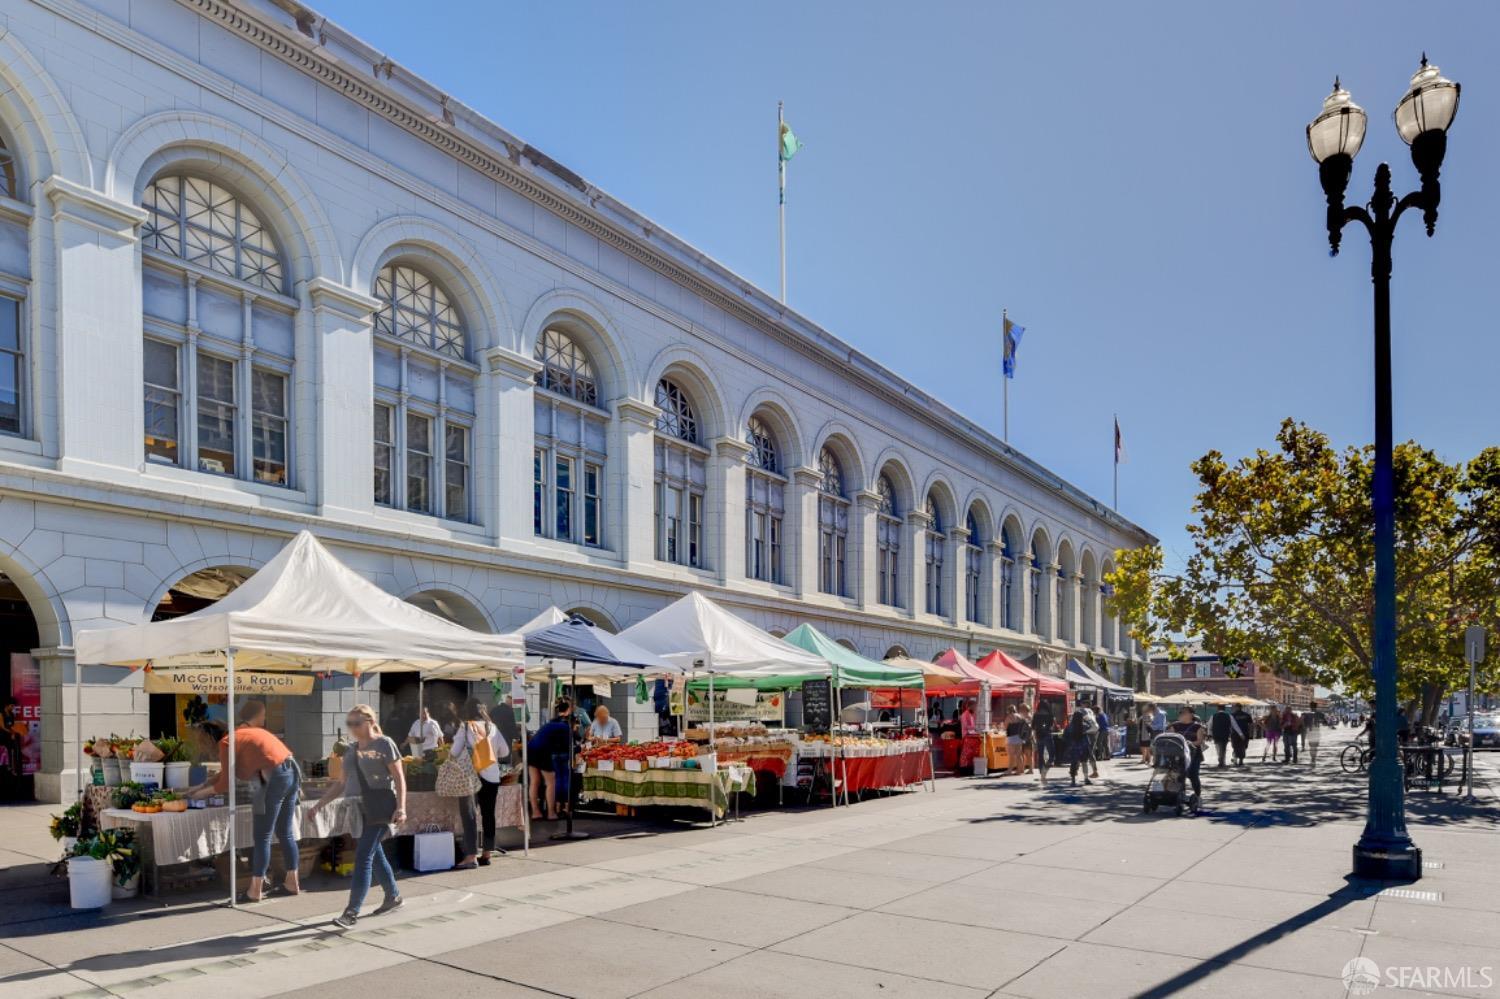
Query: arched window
{"x": 15, "y": 270}
{"x": 219, "y": 342}
{"x": 1038, "y": 563}
{"x": 566, "y": 368}
{"x": 205, "y": 224}
{"x": 1008, "y": 587}
{"x": 888, "y": 542}
{"x": 973, "y": 572}
{"x": 677, "y": 417}
{"x": 833, "y": 526}
{"x": 567, "y": 482}
{"x": 416, "y": 310}
{"x": 935, "y": 542}
{"x": 681, "y": 477}
{"x": 765, "y": 504}
{"x": 424, "y": 397}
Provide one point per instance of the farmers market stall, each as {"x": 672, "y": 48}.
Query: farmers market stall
{"x": 304, "y": 611}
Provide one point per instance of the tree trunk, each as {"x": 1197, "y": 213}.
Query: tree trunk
{"x": 1432, "y": 700}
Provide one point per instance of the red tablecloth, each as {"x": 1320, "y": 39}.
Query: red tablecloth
{"x": 867, "y": 773}
{"x": 773, "y": 765}
{"x": 958, "y": 754}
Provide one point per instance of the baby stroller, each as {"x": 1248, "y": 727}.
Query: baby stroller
{"x": 1169, "y": 785}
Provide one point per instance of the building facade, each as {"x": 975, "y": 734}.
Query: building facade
{"x": 255, "y": 277}
{"x": 1208, "y": 673}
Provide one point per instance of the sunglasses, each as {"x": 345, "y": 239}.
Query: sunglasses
{"x": 356, "y": 722}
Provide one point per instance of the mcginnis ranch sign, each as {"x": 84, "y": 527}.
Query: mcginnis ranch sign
{"x": 211, "y": 682}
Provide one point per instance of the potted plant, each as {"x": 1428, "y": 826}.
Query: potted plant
{"x": 67, "y": 827}
{"x": 130, "y": 794}
{"x": 170, "y": 801}
{"x": 177, "y": 761}
{"x": 109, "y": 764}
{"x": 118, "y": 848}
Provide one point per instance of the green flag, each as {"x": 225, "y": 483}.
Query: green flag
{"x": 789, "y": 143}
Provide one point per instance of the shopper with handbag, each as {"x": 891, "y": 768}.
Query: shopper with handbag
{"x": 377, "y": 779}
{"x": 480, "y": 748}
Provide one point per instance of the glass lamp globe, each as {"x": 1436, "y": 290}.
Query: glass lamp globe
{"x": 1430, "y": 104}
{"x": 1340, "y": 128}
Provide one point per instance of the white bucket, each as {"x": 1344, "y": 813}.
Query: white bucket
{"x": 111, "y": 771}
{"x": 708, "y": 763}
{"x": 147, "y": 773}
{"x": 178, "y": 776}
{"x": 981, "y": 765}
{"x": 89, "y": 882}
{"x": 68, "y": 842}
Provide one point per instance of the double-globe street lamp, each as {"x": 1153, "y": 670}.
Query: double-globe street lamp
{"x": 1384, "y": 850}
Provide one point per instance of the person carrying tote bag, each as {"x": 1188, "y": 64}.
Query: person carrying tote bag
{"x": 482, "y": 746}
{"x": 376, "y": 777}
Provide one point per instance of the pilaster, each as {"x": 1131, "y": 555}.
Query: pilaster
{"x": 864, "y": 556}
{"x": 955, "y": 547}
{"x": 994, "y": 572}
{"x": 803, "y": 530}
{"x": 630, "y": 525}
{"x": 724, "y": 509}
{"x": 509, "y": 379}
{"x": 914, "y": 574}
{"x": 343, "y": 374}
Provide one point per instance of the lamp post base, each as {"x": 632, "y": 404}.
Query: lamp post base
{"x": 1402, "y": 863}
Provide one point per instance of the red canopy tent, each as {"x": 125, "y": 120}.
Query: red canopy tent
{"x": 954, "y": 660}
{"x": 1009, "y": 670}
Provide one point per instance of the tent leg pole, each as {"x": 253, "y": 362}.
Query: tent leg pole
{"x": 711, "y": 814}
{"x": 525, "y": 779}
{"x": 234, "y": 817}
{"x": 78, "y": 729}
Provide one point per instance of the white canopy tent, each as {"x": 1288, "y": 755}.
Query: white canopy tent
{"x": 304, "y": 610}
{"x": 546, "y": 619}
{"x": 695, "y": 632}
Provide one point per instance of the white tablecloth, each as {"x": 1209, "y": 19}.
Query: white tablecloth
{"x": 200, "y": 833}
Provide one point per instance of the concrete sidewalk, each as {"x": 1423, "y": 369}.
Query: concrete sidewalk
{"x": 988, "y": 887}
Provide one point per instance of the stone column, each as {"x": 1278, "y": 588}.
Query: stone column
{"x": 802, "y": 539}
{"x": 994, "y": 570}
{"x": 955, "y": 551}
{"x": 914, "y": 572}
{"x": 512, "y": 438}
{"x": 724, "y": 509}
{"x": 1073, "y": 586}
{"x": 341, "y": 380}
{"x": 630, "y": 482}
{"x": 864, "y": 548}
{"x": 98, "y": 329}
{"x": 114, "y": 701}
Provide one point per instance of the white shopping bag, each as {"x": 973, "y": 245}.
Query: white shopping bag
{"x": 433, "y": 851}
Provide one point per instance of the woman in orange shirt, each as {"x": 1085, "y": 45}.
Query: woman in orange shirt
{"x": 264, "y": 760}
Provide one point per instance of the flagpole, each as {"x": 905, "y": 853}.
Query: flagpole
{"x": 781, "y": 198}
{"x": 1117, "y": 463}
{"x": 1004, "y": 380}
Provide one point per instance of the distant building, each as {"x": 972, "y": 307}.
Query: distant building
{"x": 1207, "y": 672}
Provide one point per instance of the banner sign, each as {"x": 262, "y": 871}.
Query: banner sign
{"x": 210, "y": 682}
{"x": 22, "y": 738}
{"x": 768, "y": 706}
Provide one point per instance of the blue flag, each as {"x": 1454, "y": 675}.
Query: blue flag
{"x": 1012, "y": 341}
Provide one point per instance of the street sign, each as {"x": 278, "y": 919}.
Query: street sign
{"x": 1474, "y": 644}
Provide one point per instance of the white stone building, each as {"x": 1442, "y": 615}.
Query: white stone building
{"x": 255, "y": 277}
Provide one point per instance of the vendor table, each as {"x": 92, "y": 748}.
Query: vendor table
{"x": 958, "y": 754}
{"x": 870, "y": 773}
{"x": 689, "y": 788}
{"x": 201, "y": 833}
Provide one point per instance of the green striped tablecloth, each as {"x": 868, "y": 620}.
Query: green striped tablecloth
{"x": 685, "y": 788}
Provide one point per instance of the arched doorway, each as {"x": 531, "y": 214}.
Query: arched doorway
{"x": 174, "y": 714}
{"x": 597, "y": 617}
{"x": 20, "y": 694}
{"x": 402, "y": 695}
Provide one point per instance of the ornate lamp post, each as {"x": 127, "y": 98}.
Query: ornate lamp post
{"x": 1385, "y": 850}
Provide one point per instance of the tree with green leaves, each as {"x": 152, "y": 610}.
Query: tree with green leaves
{"x": 1282, "y": 564}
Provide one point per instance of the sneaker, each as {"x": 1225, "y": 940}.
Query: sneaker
{"x": 346, "y": 921}
{"x": 390, "y": 905}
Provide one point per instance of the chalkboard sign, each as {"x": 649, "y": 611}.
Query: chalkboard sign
{"x": 817, "y": 705}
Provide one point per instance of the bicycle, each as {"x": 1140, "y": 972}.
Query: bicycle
{"x": 1356, "y": 757}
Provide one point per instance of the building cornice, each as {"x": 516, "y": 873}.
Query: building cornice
{"x": 327, "y": 294}
{"x": 521, "y": 168}
{"x": 89, "y": 206}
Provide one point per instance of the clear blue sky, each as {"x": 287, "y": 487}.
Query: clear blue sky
{"x": 1130, "y": 180}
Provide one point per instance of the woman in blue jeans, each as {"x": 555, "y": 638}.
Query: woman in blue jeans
{"x": 374, "y": 775}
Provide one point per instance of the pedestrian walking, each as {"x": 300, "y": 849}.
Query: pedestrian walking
{"x": 545, "y": 748}
{"x": 1144, "y": 727}
{"x": 1091, "y": 726}
{"x": 486, "y": 747}
{"x": 1291, "y": 733}
{"x": 1042, "y": 725}
{"x": 1272, "y": 724}
{"x": 1220, "y": 727}
{"x": 1028, "y": 741}
{"x": 1188, "y": 726}
{"x": 271, "y": 768}
{"x": 1101, "y": 740}
{"x": 377, "y": 779}
{"x": 1239, "y": 734}
{"x": 1014, "y": 726}
{"x": 1078, "y": 744}
{"x": 1312, "y": 730}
